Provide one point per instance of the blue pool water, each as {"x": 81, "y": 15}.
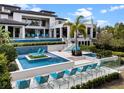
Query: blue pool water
{"x": 90, "y": 54}
{"x": 41, "y": 62}
{"x": 38, "y": 40}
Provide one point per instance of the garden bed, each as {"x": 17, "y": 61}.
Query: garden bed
{"x": 30, "y": 57}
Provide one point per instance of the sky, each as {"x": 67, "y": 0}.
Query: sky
{"x": 102, "y": 14}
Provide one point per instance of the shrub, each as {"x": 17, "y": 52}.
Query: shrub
{"x": 36, "y": 43}
{"x": 12, "y": 67}
{"x": 98, "y": 82}
{"x": 9, "y": 51}
{"x": 121, "y": 54}
{"x": 5, "y": 80}
{"x": 103, "y": 53}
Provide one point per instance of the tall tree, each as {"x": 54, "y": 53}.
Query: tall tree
{"x": 77, "y": 27}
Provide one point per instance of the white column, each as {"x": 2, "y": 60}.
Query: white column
{"x": 68, "y": 32}
{"x": 37, "y": 33}
{"x": 22, "y": 32}
{"x": 61, "y": 34}
{"x": 43, "y": 32}
{"x": 13, "y": 32}
{"x": 6, "y": 28}
{"x": 54, "y": 32}
{"x": 91, "y": 33}
{"x": 50, "y": 33}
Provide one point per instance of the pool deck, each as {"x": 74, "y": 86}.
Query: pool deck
{"x": 78, "y": 60}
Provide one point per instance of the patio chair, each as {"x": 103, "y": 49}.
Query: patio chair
{"x": 100, "y": 69}
{"x": 40, "y": 52}
{"x": 22, "y": 84}
{"x": 57, "y": 76}
{"x": 92, "y": 68}
{"x": 83, "y": 71}
{"x": 33, "y": 35}
{"x": 71, "y": 73}
{"x": 28, "y": 35}
{"x": 42, "y": 80}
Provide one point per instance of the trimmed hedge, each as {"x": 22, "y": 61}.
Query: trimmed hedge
{"x": 36, "y": 43}
{"x": 121, "y": 54}
{"x": 103, "y": 53}
{"x": 98, "y": 82}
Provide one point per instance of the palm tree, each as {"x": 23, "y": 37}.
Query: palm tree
{"x": 76, "y": 27}
{"x": 4, "y": 36}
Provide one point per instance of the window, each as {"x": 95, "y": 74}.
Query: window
{"x": 88, "y": 30}
{"x": 59, "y": 22}
{"x": 94, "y": 33}
{"x": 43, "y": 23}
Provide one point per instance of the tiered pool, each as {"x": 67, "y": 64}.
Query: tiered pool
{"x": 26, "y": 64}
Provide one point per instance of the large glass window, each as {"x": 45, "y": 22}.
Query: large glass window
{"x": 94, "y": 33}
{"x": 43, "y": 23}
{"x": 88, "y": 30}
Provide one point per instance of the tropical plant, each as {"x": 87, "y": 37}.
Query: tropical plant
{"x": 77, "y": 27}
{"x": 4, "y": 36}
{"x": 9, "y": 51}
{"x": 5, "y": 80}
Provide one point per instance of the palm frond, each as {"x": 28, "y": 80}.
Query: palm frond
{"x": 67, "y": 23}
{"x": 78, "y": 19}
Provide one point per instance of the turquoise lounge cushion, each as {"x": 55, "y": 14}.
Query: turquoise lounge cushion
{"x": 22, "y": 84}
{"x": 41, "y": 79}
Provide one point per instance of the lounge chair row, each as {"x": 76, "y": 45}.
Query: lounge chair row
{"x": 59, "y": 78}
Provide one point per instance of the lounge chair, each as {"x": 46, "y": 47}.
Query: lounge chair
{"x": 83, "y": 71}
{"x": 56, "y": 78}
{"x": 71, "y": 73}
{"x": 42, "y": 80}
{"x": 40, "y": 52}
{"x": 22, "y": 84}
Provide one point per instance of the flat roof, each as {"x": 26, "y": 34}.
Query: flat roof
{"x": 33, "y": 12}
{"x": 11, "y": 22}
{"x": 60, "y": 19}
{"x": 10, "y": 6}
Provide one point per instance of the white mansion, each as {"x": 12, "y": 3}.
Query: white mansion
{"x": 44, "y": 24}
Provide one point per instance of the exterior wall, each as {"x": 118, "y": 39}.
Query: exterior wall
{"x": 4, "y": 16}
{"x": 56, "y": 47}
{"x": 32, "y": 49}
{"x": 17, "y": 17}
{"x": 29, "y": 49}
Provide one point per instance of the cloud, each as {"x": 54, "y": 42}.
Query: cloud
{"x": 83, "y": 11}
{"x": 69, "y": 19}
{"x": 36, "y": 9}
{"x": 29, "y": 7}
{"x": 103, "y": 11}
{"x": 23, "y": 6}
{"x": 112, "y": 8}
{"x": 102, "y": 23}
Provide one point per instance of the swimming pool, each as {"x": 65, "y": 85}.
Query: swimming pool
{"x": 38, "y": 40}
{"x": 26, "y": 64}
{"x": 90, "y": 54}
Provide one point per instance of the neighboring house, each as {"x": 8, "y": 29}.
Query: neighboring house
{"x": 44, "y": 24}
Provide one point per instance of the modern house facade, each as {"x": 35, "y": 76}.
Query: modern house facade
{"x": 43, "y": 24}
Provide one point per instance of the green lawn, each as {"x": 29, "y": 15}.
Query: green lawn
{"x": 37, "y": 57}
